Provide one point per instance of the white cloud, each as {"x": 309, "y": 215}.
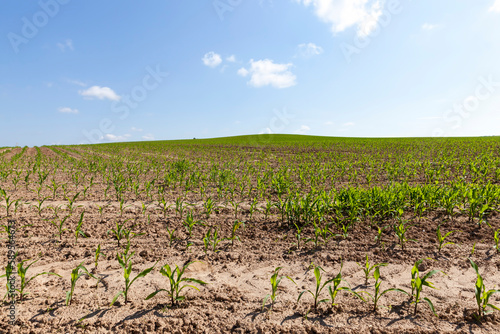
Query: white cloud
{"x": 309, "y": 49}
{"x": 328, "y": 123}
{"x": 343, "y": 14}
{"x": 243, "y": 72}
{"x": 100, "y": 93}
{"x": 231, "y": 58}
{"x": 348, "y": 124}
{"x": 66, "y": 110}
{"x": 149, "y": 136}
{"x": 266, "y": 131}
{"x": 429, "y": 118}
{"x": 495, "y": 7}
{"x": 303, "y": 130}
{"x": 267, "y": 73}
{"x": 67, "y": 44}
{"x": 76, "y": 82}
{"x": 429, "y": 26}
{"x": 112, "y": 137}
{"x": 136, "y": 129}
{"x": 212, "y": 59}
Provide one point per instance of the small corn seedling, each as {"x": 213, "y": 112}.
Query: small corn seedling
{"x": 126, "y": 264}
{"x": 189, "y": 223}
{"x": 144, "y": 208}
{"x": 71, "y": 203}
{"x": 211, "y": 240}
{"x": 253, "y": 208}
{"x": 59, "y": 226}
{"x": 400, "y": 231}
{"x": 496, "y": 237}
{"x": 319, "y": 287}
{"x": 123, "y": 207}
{"x": 275, "y": 282}
{"x": 334, "y": 289}
{"x": 129, "y": 235}
{"x": 171, "y": 237}
{"x": 78, "y": 229}
{"x": 378, "y": 237}
{"x": 119, "y": 231}
{"x": 482, "y": 296}
{"x": 298, "y": 233}
{"x": 180, "y": 207}
{"x": 176, "y": 280}
{"x": 8, "y": 202}
{"x": 378, "y": 294}
{"x": 39, "y": 206}
{"x": 321, "y": 232}
{"x": 97, "y": 253}
{"x": 22, "y": 271}
{"x": 76, "y": 273}
{"x": 367, "y": 269}
{"x": 101, "y": 208}
{"x": 441, "y": 238}
{"x": 236, "y": 225}
{"x": 417, "y": 284}
{"x": 209, "y": 206}
{"x": 235, "y": 204}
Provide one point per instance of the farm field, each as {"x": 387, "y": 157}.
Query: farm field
{"x": 234, "y": 209}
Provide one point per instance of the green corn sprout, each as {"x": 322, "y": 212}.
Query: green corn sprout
{"x": 97, "y": 253}
{"x": 126, "y": 264}
{"x": 171, "y": 236}
{"x": 8, "y": 202}
{"x": 144, "y": 208}
{"x": 78, "y": 229}
{"x": 71, "y": 202}
{"x": 180, "y": 207}
{"x": 22, "y": 271}
{"x": 441, "y": 238}
{"x": 235, "y": 204}
{"x": 211, "y": 240}
{"x": 129, "y": 235}
{"x": 417, "y": 283}
{"x": 39, "y": 206}
{"x": 378, "y": 237}
{"x": 236, "y": 225}
{"x": 319, "y": 287}
{"x": 367, "y": 269}
{"x": 400, "y": 231}
{"x": 209, "y": 206}
{"x": 76, "y": 273}
{"x": 177, "y": 283}
{"x": 320, "y": 232}
{"x": 119, "y": 231}
{"x": 275, "y": 282}
{"x": 334, "y": 289}
{"x": 101, "y": 208}
{"x": 496, "y": 237}
{"x": 189, "y": 223}
{"x": 123, "y": 207}
{"x": 378, "y": 293}
{"x": 482, "y": 296}
{"x": 59, "y": 226}
{"x": 298, "y": 233}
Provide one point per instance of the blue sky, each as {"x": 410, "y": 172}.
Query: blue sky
{"x": 101, "y": 71}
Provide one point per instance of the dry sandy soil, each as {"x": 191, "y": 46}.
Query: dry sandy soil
{"x": 238, "y": 276}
